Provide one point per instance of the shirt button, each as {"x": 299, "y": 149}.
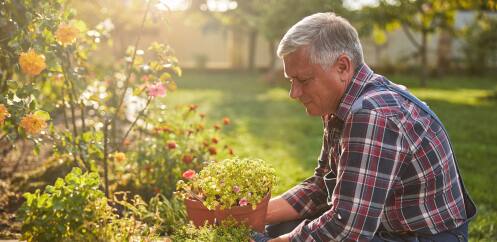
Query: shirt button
{"x": 339, "y": 216}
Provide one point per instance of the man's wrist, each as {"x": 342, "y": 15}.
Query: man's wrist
{"x": 282, "y": 238}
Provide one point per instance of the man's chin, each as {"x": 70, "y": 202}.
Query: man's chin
{"x": 311, "y": 112}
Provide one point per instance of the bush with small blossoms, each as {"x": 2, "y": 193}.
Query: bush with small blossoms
{"x": 227, "y": 183}
{"x": 181, "y": 139}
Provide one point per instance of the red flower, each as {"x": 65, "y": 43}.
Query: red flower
{"x": 214, "y": 140}
{"x": 189, "y": 174}
{"x": 212, "y": 150}
{"x": 226, "y": 121}
{"x": 187, "y": 159}
{"x": 156, "y": 190}
{"x": 171, "y": 145}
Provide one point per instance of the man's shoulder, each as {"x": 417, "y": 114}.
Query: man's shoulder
{"x": 375, "y": 97}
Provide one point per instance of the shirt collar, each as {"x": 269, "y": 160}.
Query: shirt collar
{"x": 361, "y": 75}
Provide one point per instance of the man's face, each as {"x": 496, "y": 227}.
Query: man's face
{"x": 319, "y": 90}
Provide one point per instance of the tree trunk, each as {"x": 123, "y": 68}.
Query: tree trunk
{"x": 272, "y": 55}
{"x": 424, "y": 59}
{"x": 444, "y": 50}
{"x": 235, "y": 48}
{"x": 252, "y": 49}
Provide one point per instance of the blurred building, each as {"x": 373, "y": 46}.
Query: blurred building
{"x": 202, "y": 45}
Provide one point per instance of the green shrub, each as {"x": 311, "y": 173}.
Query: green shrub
{"x": 75, "y": 209}
{"x": 228, "y": 231}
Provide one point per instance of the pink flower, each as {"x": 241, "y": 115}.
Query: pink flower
{"x": 243, "y": 202}
{"x": 189, "y": 174}
{"x": 236, "y": 189}
{"x": 156, "y": 90}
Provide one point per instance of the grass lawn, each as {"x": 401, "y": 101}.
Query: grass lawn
{"x": 267, "y": 124}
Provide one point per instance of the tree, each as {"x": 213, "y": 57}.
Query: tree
{"x": 425, "y": 17}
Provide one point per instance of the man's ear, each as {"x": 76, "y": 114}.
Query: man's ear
{"x": 344, "y": 67}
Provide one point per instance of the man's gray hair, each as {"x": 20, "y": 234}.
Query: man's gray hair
{"x": 327, "y": 36}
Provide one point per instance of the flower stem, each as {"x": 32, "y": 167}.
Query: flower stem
{"x": 130, "y": 66}
{"x": 134, "y": 122}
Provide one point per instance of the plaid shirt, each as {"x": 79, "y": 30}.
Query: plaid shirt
{"x": 393, "y": 167}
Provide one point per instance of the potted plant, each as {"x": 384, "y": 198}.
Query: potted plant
{"x": 237, "y": 188}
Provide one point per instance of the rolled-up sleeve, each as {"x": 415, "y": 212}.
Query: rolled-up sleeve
{"x": 372, "y": 152}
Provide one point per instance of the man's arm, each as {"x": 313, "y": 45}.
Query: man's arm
{"x": 372, "y": 154}
{"x": 279, "y": 210}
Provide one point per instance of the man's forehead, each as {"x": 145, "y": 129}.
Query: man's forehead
{"x": 296, "y": 64}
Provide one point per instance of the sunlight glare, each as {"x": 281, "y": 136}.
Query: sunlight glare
{"x": 173, "y": 5}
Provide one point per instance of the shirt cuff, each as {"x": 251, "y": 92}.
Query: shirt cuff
{"x": 301, "y": 233}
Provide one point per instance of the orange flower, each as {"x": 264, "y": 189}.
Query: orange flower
{"x": 192, "y": 107}
{"x": 4, "y": 113}
{"x": 33, "y": 124}
{"x": 163, "y": 128}
{"x": 200, "y": 127}
{"x": 202, "y": 115}
{"x": 214, "y": 140}
{"x": 226, "y": 121}
{"x": 66, "y": 34}
{"x": 217, "y": 127}
{"x": 119, "y": 157}
{"x": 126, "y": 142}
{"x": 31, "y": 63}
{"x": 189, "y": 174}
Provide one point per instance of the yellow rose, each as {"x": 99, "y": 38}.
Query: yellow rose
{"x": 3, "y": 113}
{"x": 66, "y": 34}
{"x": 32, "y": 63}
{"x": 33, "y": 124}
{"x": 119, "y": 157}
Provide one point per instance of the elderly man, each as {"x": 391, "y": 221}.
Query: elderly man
{"x": 386, "y": 172}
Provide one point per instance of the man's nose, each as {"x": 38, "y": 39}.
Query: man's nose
{"x": 295, "y": 90}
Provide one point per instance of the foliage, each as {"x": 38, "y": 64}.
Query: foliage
{"x": 480, "y": 40}
{"x": 163, "y": 214}
{"x": 227, "y": 231}
{"x": 74, "y": 209}
{"x": 47, "y": 58}
{"x": 180, "y": 140}
{"x": 228, "y": 183}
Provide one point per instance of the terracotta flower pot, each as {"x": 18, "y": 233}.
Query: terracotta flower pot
{"x": 198, "y": 214}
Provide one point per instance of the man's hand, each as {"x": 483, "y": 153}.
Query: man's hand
{"x": 283, "y": 238}
{"x": 260, "y": 237}
{"x": 280, "y": 211}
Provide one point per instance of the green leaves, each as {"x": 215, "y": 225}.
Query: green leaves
{"x": 228, "y": 230}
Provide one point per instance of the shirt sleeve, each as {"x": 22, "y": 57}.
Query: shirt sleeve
{"x": 371, "y": 156}
{"x": 309, "y": 197}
